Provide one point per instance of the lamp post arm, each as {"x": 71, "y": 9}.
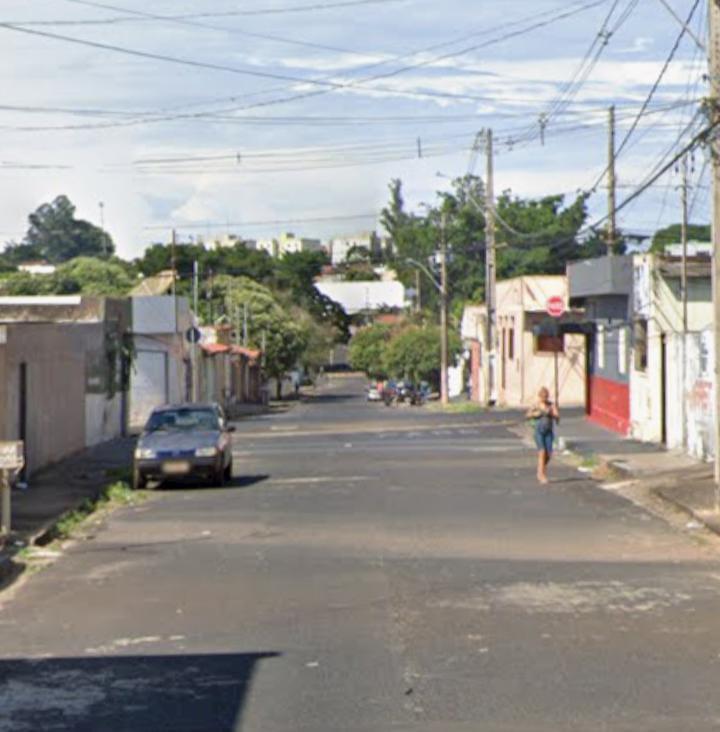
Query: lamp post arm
{"x": 427, "y": 273}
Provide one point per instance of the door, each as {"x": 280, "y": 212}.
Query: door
{"x": 23, "y": 413}
{"x": 149, "y": 385}
{"x": 589, "y": 372}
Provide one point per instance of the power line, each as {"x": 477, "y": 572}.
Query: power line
{"x": 326, "y": 83}
{"x": 272, "y": 222}
{"x": 651, "y": 93}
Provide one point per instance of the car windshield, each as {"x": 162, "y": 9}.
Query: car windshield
{"x": 185, "y": 420}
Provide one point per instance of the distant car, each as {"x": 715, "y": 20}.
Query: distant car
{"x": 184, "y": 441}
{"x": 374, "y": 394}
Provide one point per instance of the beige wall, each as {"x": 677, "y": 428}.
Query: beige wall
{"x": 56, "y": 376}
{"x": 520, "y": 369}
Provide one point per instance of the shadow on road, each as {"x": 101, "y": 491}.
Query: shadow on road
{"x": 127, "y": 693}
{"x": 335, "y": 397}
{"x": 240, "y": 481}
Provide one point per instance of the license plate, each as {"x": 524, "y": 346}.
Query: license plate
{"x": 176, "y": 467}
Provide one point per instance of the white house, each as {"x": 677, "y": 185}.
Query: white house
{"x": 360, "y": 297}
{"x": 671, "y": 372}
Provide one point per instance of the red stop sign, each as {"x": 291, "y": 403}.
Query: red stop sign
{"x": 555, "y": 306}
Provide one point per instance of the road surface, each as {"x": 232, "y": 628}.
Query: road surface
{"x": 370, "y": 569}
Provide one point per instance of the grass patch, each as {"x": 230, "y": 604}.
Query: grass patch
{"x": 112, "y": 496}
{"x": 590, "y": 461}
{"x": 458, "y": 408}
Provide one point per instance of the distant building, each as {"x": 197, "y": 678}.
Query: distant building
{"x": 271, "y": 246}
{"x": 694, "y": 249}
{"x": 288, "y": 243}
{"x": 341, "y": 246}
{"x": 361, "y": 297}
{"x": 227, "y": 241}
{"x": 291, "y": 244}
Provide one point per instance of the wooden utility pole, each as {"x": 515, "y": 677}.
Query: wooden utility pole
{"x": 173, "y": 264}
{"x": 684, "y": 243}
{"x": 714, "y": 74}
{"x": 444, "y": 385}
{"x": 418, "y": 291}
{"x": 490, "y": 272}
{"x": 612, "y": 184}
{"x": 196, "y": 322}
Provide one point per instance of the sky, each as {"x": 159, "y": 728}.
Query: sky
{"x": 260, "y": 116}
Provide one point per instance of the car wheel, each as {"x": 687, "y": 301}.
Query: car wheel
{"x": 139, "y": 481}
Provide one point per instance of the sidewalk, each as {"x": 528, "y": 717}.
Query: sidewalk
{"x": 624, "y": 455}
{"x": 673, "y": 476}
{"x": 58, "y": 490}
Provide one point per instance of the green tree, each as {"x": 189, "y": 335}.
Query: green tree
{"x": 271, "y": 325}
{"x": 367, "y": 350}
{"x": 91, "y": 276}
{"x": 414, "y": 353}
{"x": 57, "y": 236}
{"x": 672, "y": 235}
{"x": 360, "y": 272}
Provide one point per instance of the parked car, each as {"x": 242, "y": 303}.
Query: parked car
{"x": 184, "y": 441}
{"x": 373, "y": 393}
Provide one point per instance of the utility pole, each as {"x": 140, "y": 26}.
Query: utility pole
{"x": 714, "y": 74}
{"x": 684, "y": 242}
{"x": 684, "y": 293}
{"x": 490, "y": 272}
{"x": 196, "y": 319}
{"x": 444, "y": 386}
{"x": 101, "y": 205}
{"x": 612, "y": 184}
{"x": 418, "y": 291}
{"x": 173, "y": 244}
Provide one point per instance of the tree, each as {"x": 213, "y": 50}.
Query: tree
{"x": 414, "y": 353}
{"x": 90, "y": 276}
{"x": 672, "y": 235}
{"x": 270, "y": 325}
{"x": 367, "y": 350}
{"x": 360, "y": 272}
{"x": 538, "y": 236}
{"x": 57, "y": 236}
{"x": 82, "y": 275}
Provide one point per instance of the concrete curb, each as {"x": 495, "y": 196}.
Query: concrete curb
{"x": 10, "y": 568}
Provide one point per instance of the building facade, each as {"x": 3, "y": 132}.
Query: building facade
{"x": 672, "y": 365}
{"x": 602, "y": 287}
{"x": 161, "y": 364}
{"x": 64, "y": 368}
{"x": 526, "y": 357}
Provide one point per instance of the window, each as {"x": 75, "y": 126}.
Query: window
{"x": 640, "y": 343}
{"x": 600, "y": 341}
{"x": 550, "y": 344}
{"x": 511, "y": 344}
{"x": 622, "y": 350}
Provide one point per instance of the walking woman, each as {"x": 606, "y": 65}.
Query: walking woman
{"x": 544, "y": 415}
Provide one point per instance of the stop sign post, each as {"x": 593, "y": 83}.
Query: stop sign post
{"x": 555, "y": 308}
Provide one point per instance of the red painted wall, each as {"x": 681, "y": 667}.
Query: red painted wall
{"x": 609, "y": 404}
{"x": 475, "y": 371}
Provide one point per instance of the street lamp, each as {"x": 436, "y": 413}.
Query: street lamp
{"x": 442, "y": 288}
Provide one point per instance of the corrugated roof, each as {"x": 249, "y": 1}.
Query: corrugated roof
{"x": 214, "y": 348}
{"x": 159, "y": 284}
{"x": 250, "y": 353}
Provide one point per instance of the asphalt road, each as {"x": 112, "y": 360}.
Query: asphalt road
{"x": 370, "y": 569}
